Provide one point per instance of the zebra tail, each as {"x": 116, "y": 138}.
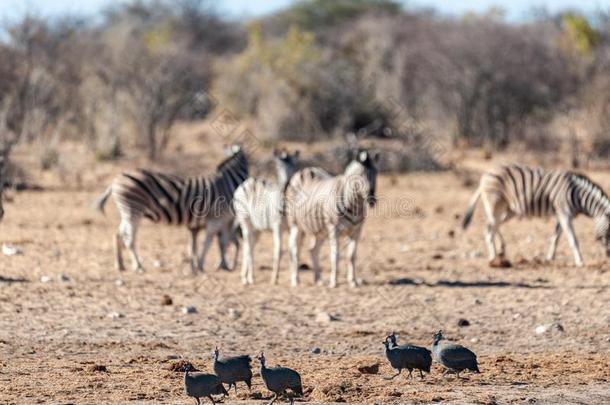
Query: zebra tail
{"x": 101, "y": 201}
{"x": 471, "y": 206}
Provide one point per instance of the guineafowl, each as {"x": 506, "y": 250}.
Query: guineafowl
{"x": 199, "y": 385}
{"x": 407, "y": 357}
{"x": 280, "y": 379}
{"x": 455, "y": 358}
{"x": 230, "y": 370}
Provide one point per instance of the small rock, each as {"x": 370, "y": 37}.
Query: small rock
{"x": 10, "y": 250}
{"x": 437, "y": 256}
{"x": 325, "y": 317}
{"x": 478, "y": 302}
{"x": 474, "y": 340}
{"x": 517, "y": 316}
{"x": 451, "y": 233}
{"x": 179, "y": 366}
{"x": 404, "y": 248}
{"x": 63, "y": 277}
{"x": 45, "y": 279}
{"x": 166, "y": 300}
{"x": 189, "y": 309}
{"x": 119, "y": 283}
{"x": 157, "y": 264}
{"x": 234, "y": 313}
{"x": 115, "y": 315}
{"x": 316, "y": 350}
{"x": 369, "y": 368}
{"x": 97, "y": 368}
{"x": 541, "y": 329}
{"x": 172, "y": 357}
{"x": 463, "y": 322}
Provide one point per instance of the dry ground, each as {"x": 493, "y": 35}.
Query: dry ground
{"x": 420, "y": 273}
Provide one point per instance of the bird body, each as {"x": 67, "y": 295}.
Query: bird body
{"x": 200, "y": 385}
{"x": 408, "y": 357}
{"x": 280, "y": 379}
{"x": 231, "y": 370}
{"x": 453, "y": 357}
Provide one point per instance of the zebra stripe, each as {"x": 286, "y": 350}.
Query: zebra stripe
{"x": 516, "y": 190}
{"x": 196, "y": 202}
{"x": 329, "y": 207}
{"x": 259, "y": 207}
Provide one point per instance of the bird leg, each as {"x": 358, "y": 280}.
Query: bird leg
{"x": 410, "y": 375}
{"x": 421, "y": 374}
{"x": 273, "y": 399}
{"x": 212, "y": 399}
{"x": 395, "y": 375}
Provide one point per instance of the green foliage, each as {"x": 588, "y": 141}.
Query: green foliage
{"x": 313, "y": 15}
{"x": 578, "y": 35}
{"x": 291, "y": 87}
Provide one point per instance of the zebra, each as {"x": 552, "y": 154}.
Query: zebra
{"x": 197, "y": 202}
{"x": 517, "y": 190}
{"x": 326, "y": 206}
{"x": 259, "y": 206}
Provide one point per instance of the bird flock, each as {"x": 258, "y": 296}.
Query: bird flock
{"x": 286, "y": 382}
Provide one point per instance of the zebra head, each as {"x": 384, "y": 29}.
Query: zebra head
{"x": 362, "y": 167}
{"x": 602, "y": 231}
{"x": 285, "y": 164}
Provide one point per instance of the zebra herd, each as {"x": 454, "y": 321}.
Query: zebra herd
{"x": 312, "y": 202}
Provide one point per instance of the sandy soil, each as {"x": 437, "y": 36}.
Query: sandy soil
{"x": 420, "y": 273}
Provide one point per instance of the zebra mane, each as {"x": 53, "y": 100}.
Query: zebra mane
{"x": 230, "y": 161}
{"x": 599, "y": 196}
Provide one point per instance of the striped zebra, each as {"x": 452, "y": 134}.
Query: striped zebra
{"x": 522, "y": 191}
{"x": 259, "y": 206}
{"x": 326, "y": 206}
{"x": 196, "y": 202}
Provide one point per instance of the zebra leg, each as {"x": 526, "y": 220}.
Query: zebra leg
{"x": 213, "y": 227}
{"x": 277, "y": 252}
{"x": 490, "y": 232}
{"x": 294, "y": 244}
{"x": 247, "y": 276}
{"x": 566, "y": 224}
{"x": 334, "y": 255}
{"x": 222, "y": 246}
{"x": 554, "y": 239}
{"x": 118, "y": 252}
{"x": 352, "y": 246}
{"x": 193, "y": 249}
{"x": 128, "y": 230}
{"x": 315, "y": 258}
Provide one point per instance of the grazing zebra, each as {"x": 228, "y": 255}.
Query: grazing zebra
{"x": 197, "y": 202}
{"x": 329, "y": 207}
{"x": 523, "y": 191}
{"x": 259, "y": 206}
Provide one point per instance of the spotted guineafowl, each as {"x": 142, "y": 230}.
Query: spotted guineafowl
{"x": 407, "y": 357}
{"x": 231, "y": 370}
{"x": 280, "y": 379}
{"x": 454, "y": 358}
{"x": 198, "y": 385}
